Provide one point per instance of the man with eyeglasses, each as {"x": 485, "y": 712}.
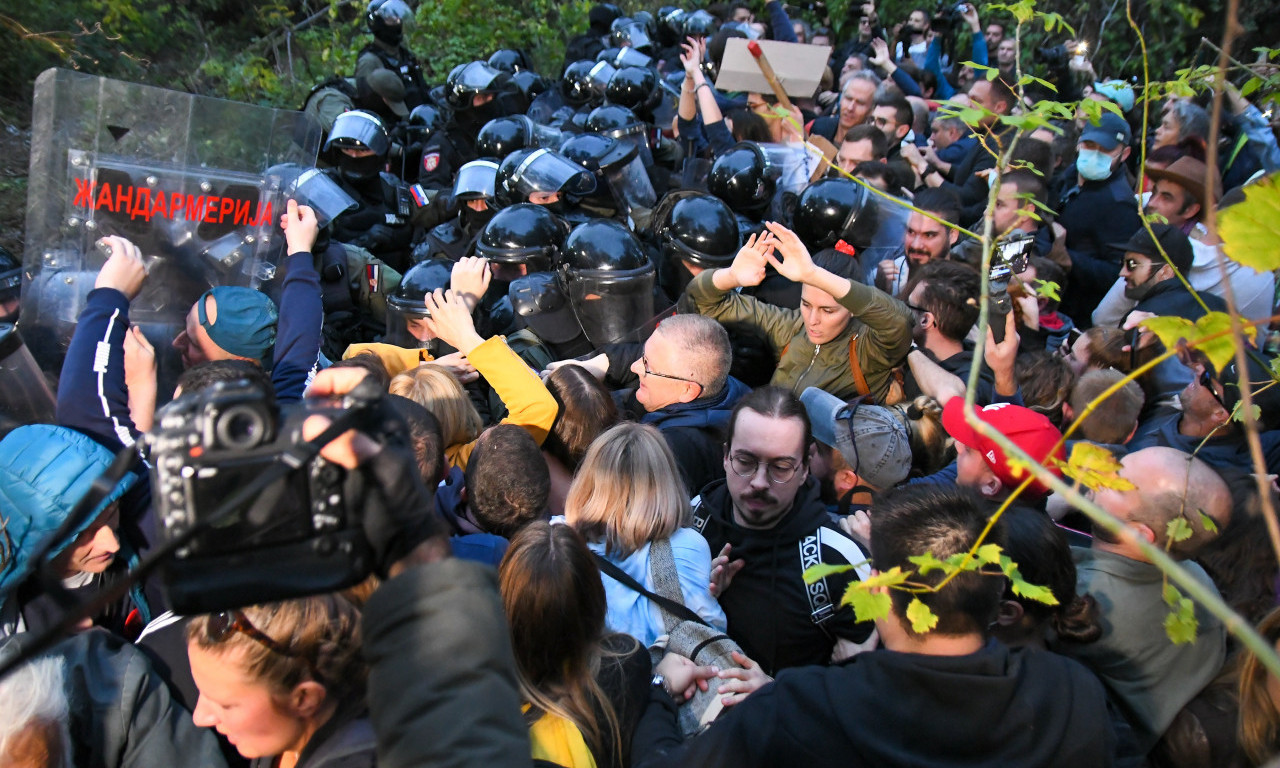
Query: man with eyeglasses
{"x": 685, "y": 390}
{"x": 1205, "y": 423}
{"x": 1150, "y": 281}
{"x": 768, "y": 521}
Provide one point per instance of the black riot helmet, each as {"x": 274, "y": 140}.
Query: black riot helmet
{"x": 504, "y": 135}
{"x": 476, "y": 180}
{"x": 359, "y": 129}
{"x": 624, "y": 57}
{"x": 608, "y": 280}
{"x": 406, "y": 306}
{"x": 576, "y": 86}
{"x": 634, "y": 88}
{"x": 426, "y": 118}
{"x": 699, "y": 24}
{"x": 744, "y": 178}
{"x": 831, "y": 210}
{"x": 387, "y": 19}
{"x": 622, "y": 183}
{"x": 630, "y": 33}
{"x": 525, "y": 234}
{"x": 10, "y": 284}
{"x": 509, "y": 60}
{"x": 618, "y": 122}
{"x": 530, "y": 84}
{"x": 702, "y": 230}
{"x": 468, "y": 80}
{"x": 670, "y": 25}
{"x": 527, "y": 171}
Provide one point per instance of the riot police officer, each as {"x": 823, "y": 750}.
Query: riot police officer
{"x": 380, "y": 221}
{"x": 623, "y": 189}
{"x": 387, "y": 19}
{"x": 543, "y": 177}
{"x": 744, "y": 178}
{"x": 473, "y": 193}
{"x": 601, "y": 293}
{"x": 695, "y": 231}
{"x": 477, "y": 93}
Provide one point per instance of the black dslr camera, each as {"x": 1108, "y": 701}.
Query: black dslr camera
{"x": 295, "y": 536}
{"x": 1011, "y": 258}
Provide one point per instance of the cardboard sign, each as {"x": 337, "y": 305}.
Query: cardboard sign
{"x": 799, "y": 67}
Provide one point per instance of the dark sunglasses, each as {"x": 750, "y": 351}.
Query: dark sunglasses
{"x": 1206, "y": 381}
{"x": 227, "y": 623}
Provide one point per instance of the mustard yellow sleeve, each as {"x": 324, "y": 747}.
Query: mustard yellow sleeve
{"x": 529, "y": 404}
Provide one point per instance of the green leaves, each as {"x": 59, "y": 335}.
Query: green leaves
{"x": 1251, "y": 230}
{"x": 1181, "y": 624}
{"x": 1024, "y": 588}
{"x": 1220, "y": 350}
{"x": 823, "y": 570}
{"x": 922, "y": 619}
{"x": 867, "y": 605}
{"x": 1094, "y": 467}
{"x": 1177, "y": 530}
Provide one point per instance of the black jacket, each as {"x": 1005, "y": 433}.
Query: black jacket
{"x": 997, "y": 707}
{"x": 770, "y": 610}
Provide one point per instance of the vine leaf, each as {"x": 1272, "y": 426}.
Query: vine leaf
{"x": 1207, "y": 522}
{"x": 1178, "y": 529}
{"x": 1181, "y": 624}
{"x": 922, "y": 619}
{"x": 1094, "y": 467}
{"x": 1219, "y": 351}
{"x": 989, "y": 554}
{"x": 1238, "y": 412}
{"x": 822, "y": 570}
{"x": 867, "y": 605}
{"x": 1250, "y": 230}
{"x": 1024, "y": 588}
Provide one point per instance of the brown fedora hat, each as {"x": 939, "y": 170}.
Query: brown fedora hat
{"x": 1188, "y": 173}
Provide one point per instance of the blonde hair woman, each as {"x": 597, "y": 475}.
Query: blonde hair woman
{"x": 627, "y": 495}
{"x": 282, "y": 680}
{"x": 529, "y": 404}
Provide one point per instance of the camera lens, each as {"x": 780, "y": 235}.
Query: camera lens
{"x": 241, "y": 426}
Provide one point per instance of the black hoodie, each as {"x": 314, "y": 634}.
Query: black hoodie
{"x": 769, "y": 607}
{"x": 996, "y": 707}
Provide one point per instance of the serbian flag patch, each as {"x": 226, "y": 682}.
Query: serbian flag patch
{"x": 419, "y": 195}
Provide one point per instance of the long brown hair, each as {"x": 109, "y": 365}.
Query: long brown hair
{"x": 1259, "y": 718}
{"x": 555, "y": 604}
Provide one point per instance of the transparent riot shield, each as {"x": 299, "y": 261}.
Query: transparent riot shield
{"x": 180, "y": 175}
{"x": 891, "y": 228}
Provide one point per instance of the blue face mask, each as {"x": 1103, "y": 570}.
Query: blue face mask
{"x": 1093, "y": 164}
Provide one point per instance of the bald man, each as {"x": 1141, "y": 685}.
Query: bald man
{"x": 1148, "y": 676}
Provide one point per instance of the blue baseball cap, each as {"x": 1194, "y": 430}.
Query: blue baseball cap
{"x": 1116, "y": 90}
{"x": 1109, "y": 132}
{"x": 246, "y": 321}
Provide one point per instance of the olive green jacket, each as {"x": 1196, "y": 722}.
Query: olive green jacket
{"x": 881, "y": 323}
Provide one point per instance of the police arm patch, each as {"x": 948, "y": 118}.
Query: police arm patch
{"x": 430, "y": 161}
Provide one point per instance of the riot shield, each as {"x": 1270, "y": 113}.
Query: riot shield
{"x": 180, "y": 175}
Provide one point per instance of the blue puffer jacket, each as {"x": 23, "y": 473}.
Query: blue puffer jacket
{"x": 44, "y": 470}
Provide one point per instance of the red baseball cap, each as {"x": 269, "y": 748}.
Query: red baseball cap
{"x": 1030, "y": 431}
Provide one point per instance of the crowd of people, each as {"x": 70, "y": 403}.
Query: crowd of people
{"x": 633, "y": 355}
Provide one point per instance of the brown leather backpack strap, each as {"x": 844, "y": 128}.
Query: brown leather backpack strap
{"x": 855, "y": 367}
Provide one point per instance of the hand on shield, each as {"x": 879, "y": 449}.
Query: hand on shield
{"x": 124, "y": 270}
{"x": 300, "y": 228}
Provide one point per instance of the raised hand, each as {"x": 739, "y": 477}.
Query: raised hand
{"x": 470, "y": 279}
{"x": 747, "y": 268}
{"x": 796, "y": 263}
{"x": 300, "y": 227}
{"x": 124, "y": 270}
{"x": 723, "y": 571}
{"x": 451, "y": 320}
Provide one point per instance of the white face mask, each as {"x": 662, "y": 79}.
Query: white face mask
{"x": 1093, "y": 164}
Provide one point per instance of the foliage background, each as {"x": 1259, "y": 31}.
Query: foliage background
{"x": 271, "y": 52}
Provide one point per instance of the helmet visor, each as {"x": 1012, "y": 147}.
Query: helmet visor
{"x": 359, "y": 130}
{"x": 395, "y": 12}
{"x": 611, "y": 307}
{"x": 547, "y": 171}
{"x": 599, "y": 77}
{"x": 475, "y": 180}
{"x": 631, "y": 185}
